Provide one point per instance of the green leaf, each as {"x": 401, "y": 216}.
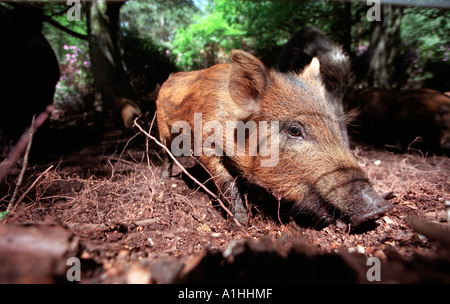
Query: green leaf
{"x": 3, "y": 214}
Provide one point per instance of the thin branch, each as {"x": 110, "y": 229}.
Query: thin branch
{"x": 191, "y": 177}
{"x": 51, "y": 21}
{"x": 146, "y": 143}
{"x": 24, "y": 166}
{"x": 64, "y": 29}
{"x": 33, "y": 184}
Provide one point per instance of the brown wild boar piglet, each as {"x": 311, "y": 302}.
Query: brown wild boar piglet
{"x": 308, "y": 162}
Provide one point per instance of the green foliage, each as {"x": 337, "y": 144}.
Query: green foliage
{"x": 268, "y": 23}
{"x": 76, "y": 77}
{"x": 428, "y": 30}
{"x": 76, "y": 80}
{"x": 3, "y": 214}
{"x": 199, "y": 33}
{"x": 156, "y": 19}
{"x": 258, "y": 26}
{"x": 425, "y": 33}
{"x": 203, "y": 42}
{"x": 56, "y": 37}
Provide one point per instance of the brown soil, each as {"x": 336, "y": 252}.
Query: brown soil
{"x": 127, "y": 226}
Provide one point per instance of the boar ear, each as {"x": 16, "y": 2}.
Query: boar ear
{"x": 312, "y": 70}
{"x": 248, "y": 79}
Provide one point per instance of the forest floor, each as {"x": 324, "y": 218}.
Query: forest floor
{"x": 103, "y": 202}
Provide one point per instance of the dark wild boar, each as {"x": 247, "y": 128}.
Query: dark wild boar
{"x": 335, "y": 67}
{"x": 369, "y": 107}
{"x": 313, "y": 167}
{"x": 421, "y": 113}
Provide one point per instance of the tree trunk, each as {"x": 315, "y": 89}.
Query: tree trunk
{"x": 384, "y": 47}
{"x": 108, "y": 68}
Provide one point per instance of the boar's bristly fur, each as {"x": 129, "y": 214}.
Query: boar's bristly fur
{"x": 314, "y": 168}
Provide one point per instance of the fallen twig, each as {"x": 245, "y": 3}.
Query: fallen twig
{"x": 12, "y": 202}
{"x": 32, "y": 185}
{"x": 146, "y": 143}
{"x": 191, "y": 177}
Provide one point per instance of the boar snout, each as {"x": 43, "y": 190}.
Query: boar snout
{"x": 366, "y": 205}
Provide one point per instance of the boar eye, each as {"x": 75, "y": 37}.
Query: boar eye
{"x": 295, "y": 131}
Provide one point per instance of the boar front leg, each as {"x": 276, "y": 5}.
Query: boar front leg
{"x": 227, "y": 187}
{"x": 231, "y": 193}
{"x": 166, "y": 169}
{"x": 164, "y": 135}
